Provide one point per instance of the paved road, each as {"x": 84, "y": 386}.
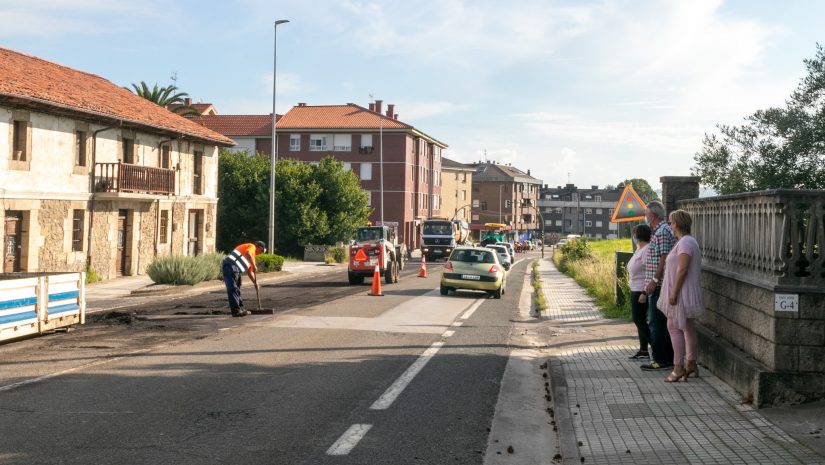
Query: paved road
{"x": 335, "y": 377}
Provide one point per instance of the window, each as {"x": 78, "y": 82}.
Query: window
{"x": 465, "y": 178}
{"x": 164, "y": 227}
{"x": 342, "y": 142}
{"x": 588, "y": 211}
{"x": 80, "y": 148}
{"x": 317, "y": 143}
{"x": 598, "y": 224}
{"x": 347, "y": 166}
{"x": 197, "y": 173}
{"x": 77, "y": 230}
{"x": 165, "y": 159}
{"x": 558, "y": 222}
{"x": 366, "y": 171}
{"x": 599, "y": 211}
{"x": 366, "y": 142}
{"x": 464, "y": 195}
{"x": 559, "y": 210}
{"x": 598, "y": 198}
{"x": 508, "y": 203}
{"x": 475, "y": 203}
{"x": 294, "y": 142}
{"x": 588, "y": 223}
{"x": 484, "y": 205}
{"x": 412, "y": 201}
{"x": 475, "y": 217}
{"x": 19, "y": 151}
{"x": 128, "y": 151}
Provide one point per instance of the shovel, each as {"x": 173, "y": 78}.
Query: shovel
{"x": 260, "y": 310}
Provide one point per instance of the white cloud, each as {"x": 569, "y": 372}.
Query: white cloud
{"x": 411, "y": 111}
{"x": 55, "y": 18}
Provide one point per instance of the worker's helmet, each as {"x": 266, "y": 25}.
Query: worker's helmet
{"x": 261, "y": 245}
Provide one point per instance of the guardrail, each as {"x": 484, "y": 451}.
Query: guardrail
{"x": 33, "y": 304}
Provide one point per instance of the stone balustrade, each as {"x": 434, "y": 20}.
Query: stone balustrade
{"x": 773, "y": 239}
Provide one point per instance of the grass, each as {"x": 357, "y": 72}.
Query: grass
{"x": 538, "y": 296}
{"x": 596, "y": 273}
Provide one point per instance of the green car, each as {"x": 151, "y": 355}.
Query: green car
{"x": 474, "y": 268}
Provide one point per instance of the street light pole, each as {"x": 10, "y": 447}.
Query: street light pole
{"x": 274, "y": 150}
{"x": 381, "y": 161}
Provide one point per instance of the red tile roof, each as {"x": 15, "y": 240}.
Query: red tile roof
{"x": 43, "y": 83}
{"x": 239, "y": 125}
{"x": 336, "y": 117}
{"x": 201, "y": 108}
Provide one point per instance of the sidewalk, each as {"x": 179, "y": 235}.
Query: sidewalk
{"x": 131, "y": 290}
{"x": 607, "y": 410}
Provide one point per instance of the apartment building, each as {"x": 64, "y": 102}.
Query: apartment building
{"x": 456, "y": 189}
{"x": 251, "y": 133}
{"x": 572, "y": 210}
{"x": 91, "y": 174}
{"x": 505, "y": 194}
{"x": 367, "y": 140}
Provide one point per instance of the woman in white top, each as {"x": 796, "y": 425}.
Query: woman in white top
{"x": 638, "y": 298}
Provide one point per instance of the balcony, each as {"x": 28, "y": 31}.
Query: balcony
{"x": 124, "y": 177}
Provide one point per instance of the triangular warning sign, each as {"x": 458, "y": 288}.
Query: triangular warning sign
{"x": 360, "y": 256}
{"x": 630, "y": 206}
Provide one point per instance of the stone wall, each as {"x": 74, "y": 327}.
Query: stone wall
{"x": 758, "y": 249}
{"x": 676, "y": 188}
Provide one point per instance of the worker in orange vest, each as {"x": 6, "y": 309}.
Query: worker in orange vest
{"x": 241, "y": 260}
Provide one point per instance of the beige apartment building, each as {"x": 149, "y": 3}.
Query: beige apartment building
{"x": 456, "y": 189}
{"x": 91, "y": 174}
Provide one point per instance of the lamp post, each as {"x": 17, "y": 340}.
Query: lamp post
{"x": 274, "y": 151}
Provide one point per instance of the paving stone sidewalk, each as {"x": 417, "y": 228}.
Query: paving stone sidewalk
{"x": 608, "y": 411}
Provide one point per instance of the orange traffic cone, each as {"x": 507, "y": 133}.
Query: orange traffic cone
{"x": 422, "y": 273}
{"x": 376, "y": 283}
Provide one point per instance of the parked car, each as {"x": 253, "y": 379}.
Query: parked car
{"x": 474, "y": 268}
{"x": 503, "y": 255}
{"x": 510, "y": 248}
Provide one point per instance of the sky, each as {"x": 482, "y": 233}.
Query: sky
{"x": 587, "y": 92}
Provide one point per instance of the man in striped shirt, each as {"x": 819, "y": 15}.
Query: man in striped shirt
{"x": 661, "y": 243}
{"x": 241, "y": 260}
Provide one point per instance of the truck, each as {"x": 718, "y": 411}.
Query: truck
{"x": 376, "y": 245}
{"x": 439, "y": 236}
{"x": 493, "y": 233}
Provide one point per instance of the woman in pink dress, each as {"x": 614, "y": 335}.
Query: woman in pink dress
{"x": 681, "y": 296}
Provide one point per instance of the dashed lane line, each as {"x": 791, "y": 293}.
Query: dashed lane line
{"x": 349, "y": 439}
{"x": 401, "y": 383}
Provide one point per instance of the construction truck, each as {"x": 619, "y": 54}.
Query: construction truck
{"x": 376, "y": 245}
{"x": 439, "y": 236}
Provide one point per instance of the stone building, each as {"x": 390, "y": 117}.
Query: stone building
{"x": 456, "y": 189}
{"x": 505, "y": 194}
{"x": 572, "y": 210}
{"x": 92, "y": 174}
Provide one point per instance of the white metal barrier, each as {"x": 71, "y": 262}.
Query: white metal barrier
{"x": 33, "y": 305}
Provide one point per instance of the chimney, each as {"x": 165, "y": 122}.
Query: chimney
{"x": 528, "y": 172}
{"x": 372, "y": 106}
{"x": 379, "y": 104}
{"x": 594, "y": 187}
{"x": 187, "y": 101}
{"x": 302, "y": 104}
{"x": 395, "y": 116}
{"x": 390, "y": 109}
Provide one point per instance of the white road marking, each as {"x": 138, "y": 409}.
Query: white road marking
{"x": 472, "y": 309}
{"x": 448, "y": 333}
{"x": 401, "y": 383}
{"x": 457, "y": 323}
{"x": 349, "y": 439}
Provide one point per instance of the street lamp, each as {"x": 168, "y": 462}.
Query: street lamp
{"x": 274, "y": 151}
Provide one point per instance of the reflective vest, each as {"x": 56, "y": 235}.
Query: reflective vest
{"x": 241, "y": 260}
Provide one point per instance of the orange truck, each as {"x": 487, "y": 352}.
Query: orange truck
{"x": 376, "y": 246}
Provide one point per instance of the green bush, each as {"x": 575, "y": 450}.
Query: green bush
{"x": 180, "y": 269}
{"x": 541, "y": 302}
{"x": 267, "y": 262}
{"x": 335, "y": 255}
{"x": 576, "y": 250}
{"x": 91, "y": 275}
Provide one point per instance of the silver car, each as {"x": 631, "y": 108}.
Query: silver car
{"x": 503, "y": 255}
{"x": 509, "y": 247}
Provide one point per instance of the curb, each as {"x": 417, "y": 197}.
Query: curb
{"x": 568, "y": 446}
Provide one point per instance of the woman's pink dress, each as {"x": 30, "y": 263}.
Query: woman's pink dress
{"x": 689, "y": 303}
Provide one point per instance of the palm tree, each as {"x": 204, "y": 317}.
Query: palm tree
{"x": 165, "y": 96}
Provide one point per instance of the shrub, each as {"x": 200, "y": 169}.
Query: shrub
{"x": 91, "y": 275}
{"x": 541, "y": 303}
{"x": 180, "y": 269}
{"x": 335, "y": 255}
{"x": 576, "y": 250}
{"x": 267, "y": 262}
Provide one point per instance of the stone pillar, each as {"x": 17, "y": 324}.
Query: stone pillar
{"x": 676, "y": 188}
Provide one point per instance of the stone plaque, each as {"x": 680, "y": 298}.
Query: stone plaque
{"x": 786, "y": 302}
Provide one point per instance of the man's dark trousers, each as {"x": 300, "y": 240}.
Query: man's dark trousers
{"x": 232, "y": 279}
{"x": 659, "y": 335}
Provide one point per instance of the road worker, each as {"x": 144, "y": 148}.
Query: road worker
{"x": 241, "y": 260}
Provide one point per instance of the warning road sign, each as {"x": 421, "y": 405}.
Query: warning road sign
{"x": 630, "y": 206}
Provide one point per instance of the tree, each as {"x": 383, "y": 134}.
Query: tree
{"x": 315, "y": 204}
{"x": 775, "y": 148}
{"x": 642, "y": 187}
{"x": 164, "y": 96}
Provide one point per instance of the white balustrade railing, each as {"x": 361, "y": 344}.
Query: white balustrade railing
{"x": 770, "y": 238}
